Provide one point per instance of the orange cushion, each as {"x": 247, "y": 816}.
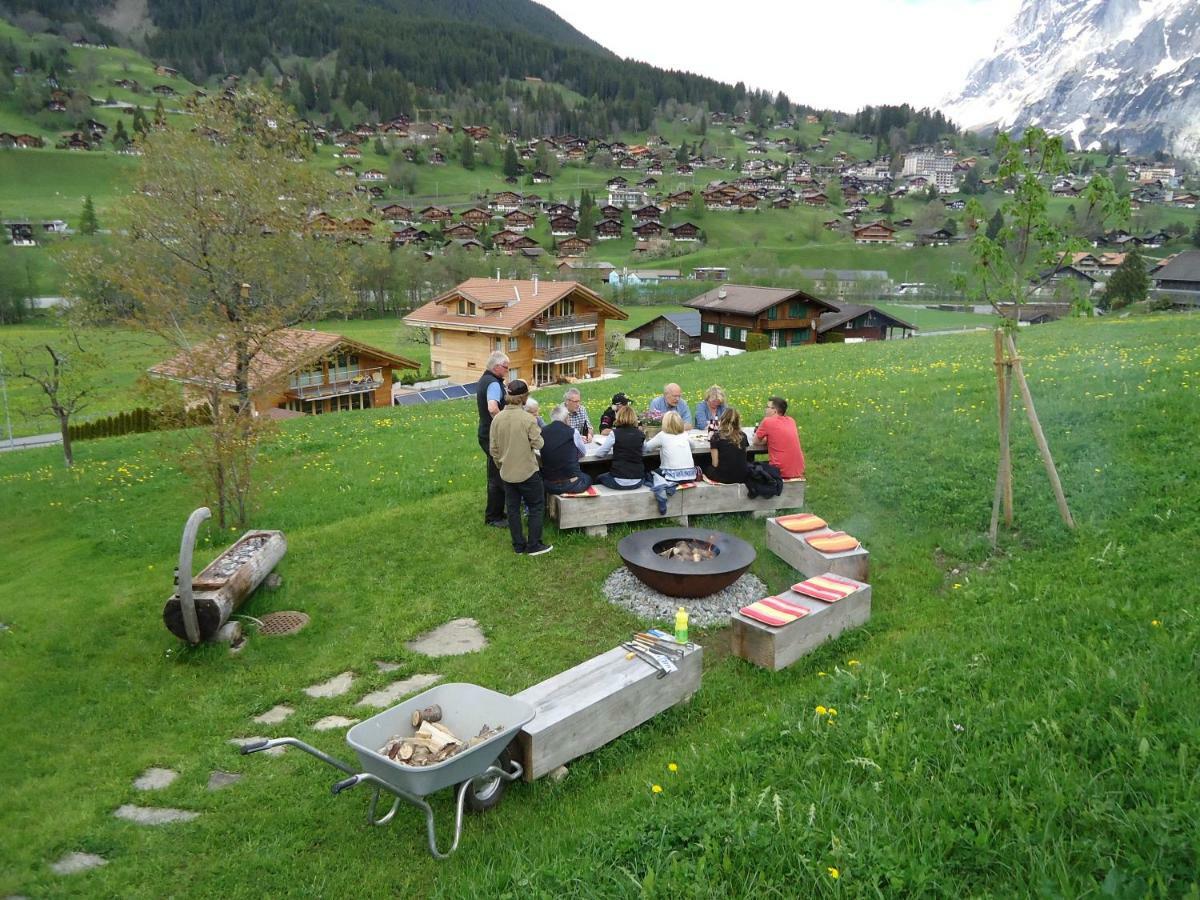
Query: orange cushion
{"x": 590, "y": 492}
{"x": 684, "y": 485}
{"x": 790, "y": 480}
{"x": 833, "y": 542}
{"x": 827, "y": 587}
{"x": 774, "y": 611}
{"x": 708, "y": 480}
{"x": 800, "y": 522}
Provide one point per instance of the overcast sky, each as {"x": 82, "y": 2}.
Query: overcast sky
{"x": 840, "y": 55}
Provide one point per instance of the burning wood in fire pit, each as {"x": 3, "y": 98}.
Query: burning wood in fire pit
{"x": 695, "y": 551}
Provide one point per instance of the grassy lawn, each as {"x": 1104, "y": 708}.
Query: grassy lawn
{"x": 1009, "y": 724}
{"x": 51, "y": 184}
{"x": 935, "y": 319}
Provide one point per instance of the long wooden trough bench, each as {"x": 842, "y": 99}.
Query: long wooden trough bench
{"x": 611, "y": 507}
{"x": 582, "y": 709}
{"x": 794, "y": 550}
{"x": 776, "y": 648}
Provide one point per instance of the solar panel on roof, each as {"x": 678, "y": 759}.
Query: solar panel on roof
{"x": 408, "y": 400}
{"x": 431, "y": 396}
{"x": 471, "y": 388}
{"x": 457, "y": 390}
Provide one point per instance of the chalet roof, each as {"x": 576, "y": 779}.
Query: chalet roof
{"x": 505, "y": 304}
{"x": 285, "y": 352}
{"x": 848, "y": 311}
{"x": 1184, "y": 267}
{"x": 687, "y": 322}
{"x": 749, "y": 300}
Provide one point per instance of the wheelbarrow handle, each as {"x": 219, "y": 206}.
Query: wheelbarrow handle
{"x": 345, "y": 784}
{"x": 255, "y": 746}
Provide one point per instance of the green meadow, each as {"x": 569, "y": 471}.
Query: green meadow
{"x": 1009, "y": 723}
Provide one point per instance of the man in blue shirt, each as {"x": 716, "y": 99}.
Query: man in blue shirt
{"x": 671, "y": 401}
{"x": 489, "y": 400}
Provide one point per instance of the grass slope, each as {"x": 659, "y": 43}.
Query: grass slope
{"x": 1006, "y": 725}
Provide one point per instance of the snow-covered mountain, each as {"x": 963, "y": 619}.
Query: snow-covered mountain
{"x": 1126, "y": 70}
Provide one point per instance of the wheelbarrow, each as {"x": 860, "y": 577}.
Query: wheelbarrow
{"x": 481, "y": 772}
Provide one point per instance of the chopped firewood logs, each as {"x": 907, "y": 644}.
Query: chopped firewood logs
{"x": 433, "y": 743}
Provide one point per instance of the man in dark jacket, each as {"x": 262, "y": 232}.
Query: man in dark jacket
{"x": 489, "y": 400}
{"x": 561, "y": 451}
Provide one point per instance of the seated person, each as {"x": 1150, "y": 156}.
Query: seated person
{"x": 671, "y": 401}
{"x": 625, "y": 440}
{"x": 562, "y": 448}
{"x": 778, "y": 431}
{"x": 577, "y": 414}
{"x": 675, "y": 453}
{"x": 608, "y": 418}
{"x": 708, "y": 413}
{"x": 729, "y": 461}
{"x": 531, "y": 407}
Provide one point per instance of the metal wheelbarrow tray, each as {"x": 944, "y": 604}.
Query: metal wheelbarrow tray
{"x": 480, "y": 772}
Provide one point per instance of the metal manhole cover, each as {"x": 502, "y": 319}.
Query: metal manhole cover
{"x": 278, "y": 623}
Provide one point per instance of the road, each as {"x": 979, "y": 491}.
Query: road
{"x": 34, "y": 440}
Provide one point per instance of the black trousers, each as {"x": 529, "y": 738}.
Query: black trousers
{"x": 495, "y": 487}
{"x": 533, "y": 492}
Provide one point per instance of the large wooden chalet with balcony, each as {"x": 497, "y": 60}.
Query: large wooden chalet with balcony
{"x": 301, "y": 372}
{"x": 731, "y": 313}
{"x": 552, "y": 331}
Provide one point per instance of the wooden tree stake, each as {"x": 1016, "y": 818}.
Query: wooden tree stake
{"x": 1003, "y": 491}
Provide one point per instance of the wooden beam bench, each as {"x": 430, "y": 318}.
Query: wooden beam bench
{"x": 794, "y": 550}
{"x": 582, "y": 709}
{"x": 777, "y": 648}
{"x": 611, "y": 507}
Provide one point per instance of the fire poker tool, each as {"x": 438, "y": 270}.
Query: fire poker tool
{"x": 661, "y": 663}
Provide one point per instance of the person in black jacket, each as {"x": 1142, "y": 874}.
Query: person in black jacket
{"x": 729, "y": 462}
{"x": 561, "y": 451}
{"x": 489, "y": 400}
{"x": 625, "y": 440}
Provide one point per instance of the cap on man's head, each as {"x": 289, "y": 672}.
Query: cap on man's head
{"x": 516, "y": 387}
{"x": 619, "y": 399}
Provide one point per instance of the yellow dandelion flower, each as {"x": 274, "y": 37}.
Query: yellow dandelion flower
{"x": 821, "y": 710}
{"x": 821, "y": 674}
{"x": 833, "y": 873}
{"x": 832, "y": 711}
{"x": 854, "y": 662}
{"x": 672, "y": 767}
{"x": 1156, "y": 623}
{"x": 657, "y": 788}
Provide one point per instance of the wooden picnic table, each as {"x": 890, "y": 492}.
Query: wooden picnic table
{"x": 697, "y": 437}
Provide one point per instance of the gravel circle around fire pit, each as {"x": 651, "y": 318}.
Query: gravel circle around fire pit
{"x": 623, "y": 588}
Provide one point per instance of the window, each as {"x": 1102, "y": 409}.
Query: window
{"x": 710, "y": 328}
{"x": 728, "y": 334}
{"x": 437, "y": 338}
{"x": 794, "y": 310}
{"x": 742, "y": 335}
{"x": 514, "y": 374}
{"x": 437, "y": 367}
{"x": 591, "y": 362}
{"x": 466, "y": 308}
{"x": 513, "y": 343}
{"x": 773, "y": 313}
{"x": 800, "y": 335}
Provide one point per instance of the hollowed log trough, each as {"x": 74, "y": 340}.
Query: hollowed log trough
{"x": 226, "y": 582}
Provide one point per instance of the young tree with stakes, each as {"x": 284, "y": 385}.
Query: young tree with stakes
{"x": 1004, "y": 269}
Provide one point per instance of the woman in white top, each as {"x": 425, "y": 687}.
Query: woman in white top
{"x": 675, "y": 450}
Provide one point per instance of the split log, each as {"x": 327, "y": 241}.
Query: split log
{"x": 217, "y": 598}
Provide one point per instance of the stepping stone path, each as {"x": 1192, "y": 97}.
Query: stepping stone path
{"x": 145, "y": 815}
{"x": 452, "y": 639}
{"x": 329, "y": 723}
{"x": 386, "y": 666}
{"x": 274, "y": 715}
{"x": 391, "y": 694}
{"x": 73, "y": 863}
{"x": 274, "y": 751}
{"x": 155, "y": 779}
{"x": 218, "y": 780}
{"x": 334, "y": 687}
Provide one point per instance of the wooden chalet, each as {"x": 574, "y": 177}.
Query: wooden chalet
{"x": 396, "y": 214}
{"x": 938, "y": 237}
{"x": 854, "y": 322}
{"x": 679, "y": 198}
{"x": 584, "y": 270}
{"x": 518, "y": 220}
{"x": 573, "y": 246}
{"x": 648, "y": 230}
{"x": 668, "y": 333}
{"x": 436, "y": 214}
{"x": 560, "y": 209}
{"x": 609, "y": 211}
{"x": 609, "y": 229}
{"x": 874, "y": 233}
{"x": 459, "y": 231}
{"x": 1179, "y": 280}
{"x": 552, "y": 331}
{"x": 563, "y": 226}
{"x": 408, "y": 235}
{"x": 647, "y": 213}
{"x": 685, "y": 231}
{"x": 310, "y": 372}
{"x": 730, "y": 313}
{"x": 476, "y": 216}
{"x": 522, "y": 244}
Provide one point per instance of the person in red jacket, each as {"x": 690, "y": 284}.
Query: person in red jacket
{"x": 778, "y": 431}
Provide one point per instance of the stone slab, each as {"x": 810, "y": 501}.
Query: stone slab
{"x": 777, "y": 648}
{"x": 452, "y": 639}
{"x": 334, "y": 687}
{"x": 274, "y": 751}
{"x": 330, "y": 723}
{"x": 218, "y": 780}
{"x": 154, "y": 815}
{"x": 794, "y": 550}
{"x": 397, "y": 690}
{"x": 155, "y": 779}
{"x": 74, "y": 863}
{"x": 274, "y": 715}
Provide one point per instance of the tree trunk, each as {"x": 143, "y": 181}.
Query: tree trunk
{"x": 64, "y": 427}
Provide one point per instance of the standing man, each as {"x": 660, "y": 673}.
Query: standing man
{"x": 778, "y": 431}
{"x": 577, "y": 416}
{"x": 513, "y": 438}
{"x": 489, "y": 398}
{"x": 562, "y": 450}
{"x": 671, "y": 401}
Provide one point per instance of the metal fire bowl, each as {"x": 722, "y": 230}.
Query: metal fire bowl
{"x": 680, "y": 578}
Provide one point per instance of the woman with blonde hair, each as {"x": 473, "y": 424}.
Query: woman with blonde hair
{"x": 625, "y": 440}
{"x": 729, "y": 461}
{"x": 711, "y": 408}
{"x": 676, "y": 465}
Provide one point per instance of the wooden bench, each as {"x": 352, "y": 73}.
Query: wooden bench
{"x": 794, "y": 550}
{"x": 777, "y": 648}
{"x": 611, "y": 507}
{"x": 582, "y": 709}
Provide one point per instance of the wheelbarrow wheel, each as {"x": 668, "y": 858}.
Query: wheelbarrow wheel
{"x": 483, "y": 795}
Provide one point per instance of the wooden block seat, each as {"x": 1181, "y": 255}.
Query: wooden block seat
{"x": 795, "y": 550}
{"x": 610, "y": 507}
{"x": 582, "y": 709}
{"x": 777, "y": 648}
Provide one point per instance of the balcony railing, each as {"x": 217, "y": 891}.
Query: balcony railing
{"x": 361, "y": 382}
{"x": 566, "y": 323}
{"x": 561, "y": 354}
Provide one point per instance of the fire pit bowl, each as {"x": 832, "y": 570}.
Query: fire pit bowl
{"x": 685, "y": 577}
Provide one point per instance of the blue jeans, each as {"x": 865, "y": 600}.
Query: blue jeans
{"x": 608, "y": 481}
{"x": 534, "y": 496}
{"x": 576, "y": 485}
